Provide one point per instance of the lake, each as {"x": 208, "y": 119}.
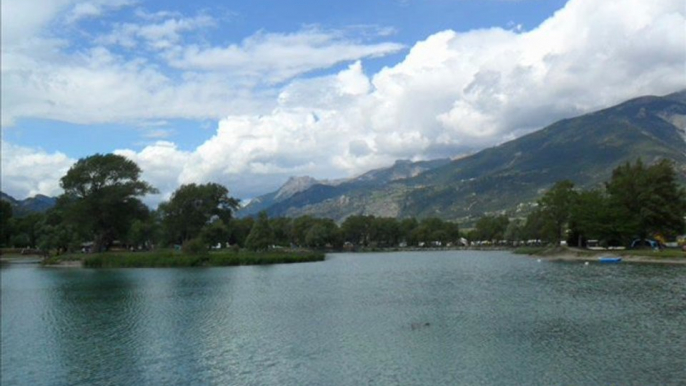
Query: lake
{"x": 424, "y": 318}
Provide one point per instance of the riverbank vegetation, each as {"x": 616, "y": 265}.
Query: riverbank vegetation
{"x": 638, "y": 202}
{"x": 170, "y": 258}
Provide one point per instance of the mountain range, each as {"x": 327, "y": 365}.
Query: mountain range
{"x": 37, "y": 203}
{"x": 507, "y": 178}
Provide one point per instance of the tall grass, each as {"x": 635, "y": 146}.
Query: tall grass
{"x": 529, "y": 250}
{"x": 664, "y": 253}
{"x": 175, "y": 259}
{"x": 262, "y": 258}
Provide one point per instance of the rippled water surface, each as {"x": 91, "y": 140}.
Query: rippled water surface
{"x": 433, "y": 318}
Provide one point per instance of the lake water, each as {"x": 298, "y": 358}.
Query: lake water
{"x": 432, "y": 318}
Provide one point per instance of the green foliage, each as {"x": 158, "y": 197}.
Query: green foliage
{"x": 193, "y": 206}
{"x": 143, "y": 233}
{"x": 215, "y": 233}
{"x": 100, "y": 194}
{"x": 648, "y": 200}
{"x": 373, "y": 231}
{"x": 5, "y": 216}
{"x": 592, "y": 218}
{"x": 357, "y": 229}
{"x": 25, "y": 230}
{"x": 384, "y": 231}
{"x": 556, "y": 205}
{"x": 639, "y": 202}
{"x": 490, "y": 228}
{"x": 51, "y": 260}
{"x": 299, "y": 229}
{"x": 282, "y": 228}
{"x": 61, "y": 238}
{"x": 144, "y": 260}
{"x": 20, "y": 240}
{"x": 194, "y": 247}
{"x": 262, "y": 258}
{"x": 514, "y": 230}
{"x": 322, "y": 233}
{"x": 171, "y": 259}
{"x": 405, "y": 227}
{"x": 261, "y": 236}
{"x": 239, "y": 229}
{"x": 529, "y": 250}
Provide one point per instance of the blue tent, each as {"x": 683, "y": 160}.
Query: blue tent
{"x": 645, "y": 243}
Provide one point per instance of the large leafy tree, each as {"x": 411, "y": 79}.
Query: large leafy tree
{"x": 239, "y": 229}
{"x": 490, "y": 228}
{"x": 102, "y": 193}
{"x": 322, "y": 233}
{"x": 385, "y": 231}
{"x": 556, "y": 205}
{"x": 261, "y": 235}
{"x": 647, "y": 200}
{"x": 282, "y": 228}
{"x": 590, "y": 217}
{"x": 357, "y": 229}
{"x": 193, "y": 206}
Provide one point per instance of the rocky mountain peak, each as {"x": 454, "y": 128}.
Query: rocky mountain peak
{"x": 295, "y": 185}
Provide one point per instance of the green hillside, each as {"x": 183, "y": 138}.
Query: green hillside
{"x": 510, "y": 176}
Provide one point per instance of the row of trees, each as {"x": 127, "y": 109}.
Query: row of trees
{"x": 638, "y": 202}
{"x": 358, "y": 231}
{"x": 101, "y": 203}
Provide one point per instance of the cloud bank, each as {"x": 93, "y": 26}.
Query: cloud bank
{"x": 452, "y": 93}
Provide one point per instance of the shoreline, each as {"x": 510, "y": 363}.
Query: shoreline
{"x": 572, "y": 255}
{"x": 550, "y": 254}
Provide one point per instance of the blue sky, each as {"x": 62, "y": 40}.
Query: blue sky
{"x": 248, "y": 93}
{"x": 407, "y": 22}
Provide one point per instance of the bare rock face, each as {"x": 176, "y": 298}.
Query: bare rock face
{"x": 678, "y": 120}
{"x": 293, "y": 186}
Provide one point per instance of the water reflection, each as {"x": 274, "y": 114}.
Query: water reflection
{"x": 96, "y": 326}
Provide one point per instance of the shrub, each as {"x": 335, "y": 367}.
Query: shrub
{"x": 194, "y": 247}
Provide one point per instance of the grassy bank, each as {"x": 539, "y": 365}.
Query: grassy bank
{"x": 662, "y": 254}
{"x": 529, "y": 250}
{"x": 168, "y": 258}
{"x": 551, "y": 251}
{"x": 644, "y": 254}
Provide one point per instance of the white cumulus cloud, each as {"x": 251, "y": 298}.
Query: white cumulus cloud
{"x": 452, "y": 93}
{"x": 27, "y": 172}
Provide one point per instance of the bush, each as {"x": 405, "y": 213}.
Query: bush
{"x": 54, "y": 260}
{"x": 194, "y": 247}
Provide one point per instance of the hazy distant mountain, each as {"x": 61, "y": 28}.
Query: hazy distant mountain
{"x": 584, "y": 149}
{"x": 292, "y": 186}
{"x": 319, "y": 190}
{"x": 37, "y": 203}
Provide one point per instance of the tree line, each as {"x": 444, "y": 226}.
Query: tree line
{"x": 102, "y": 205}
{"x": 638, "y": 202}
